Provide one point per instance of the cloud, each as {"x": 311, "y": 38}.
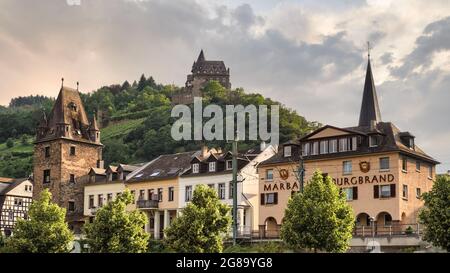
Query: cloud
{"x": 310, "y": 55}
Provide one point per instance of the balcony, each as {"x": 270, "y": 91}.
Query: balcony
{"x": 147, "y": 204}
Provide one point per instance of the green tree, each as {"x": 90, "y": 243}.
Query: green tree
{"x": 24, "y": 140}
{"x": 9, "y": 143}
{"x": 45, "y": 231}
{"x": 319, "y": 218}
{"x": 201, "y": 225}
{"x": 435, "y": 215}
{"x": 116, "y": 230}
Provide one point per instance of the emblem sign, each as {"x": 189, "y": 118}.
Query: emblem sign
{"x": 364, "y": 166}
{"x": 284, "y": 174}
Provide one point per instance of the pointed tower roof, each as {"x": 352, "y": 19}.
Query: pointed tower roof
{"x": 201, "y": 57}
{"x": 370, "y": 111}
{"x": 94, "y": 125}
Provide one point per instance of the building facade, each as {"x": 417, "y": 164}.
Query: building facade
{"x": 202, "y": 71}
{"x": 380, "y": 168}
{"x": 67, "y": 146}
{"x": 214, "y": 168}
{"x": 15, "y": 200}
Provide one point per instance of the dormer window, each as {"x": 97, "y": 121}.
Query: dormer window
{"x": 287, "y": 151}
{"x": 212, "y": 166}
{"x": 305, "y": 149}
{"x": 373, "y": 141}
{"x": 229, "y": 164}
{"x": 195, "y": 168}
{"x": 411, "y": 143}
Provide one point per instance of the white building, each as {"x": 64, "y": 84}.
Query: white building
{"x": 15, "y": 198}
{"x": 214, "y": 168}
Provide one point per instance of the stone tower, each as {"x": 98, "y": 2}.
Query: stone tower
{"x": 67, "y": 146}
{"x": 202, "y": 72}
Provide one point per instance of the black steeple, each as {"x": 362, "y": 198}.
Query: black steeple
{"x": 201, "y": 57}
{"x": 370, "y": 111}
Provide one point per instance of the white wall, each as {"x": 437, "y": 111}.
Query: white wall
{"x": 112, "y": 187}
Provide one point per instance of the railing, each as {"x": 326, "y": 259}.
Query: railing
{"x": 147, "y": 204}
{"x": 391, "y": 230}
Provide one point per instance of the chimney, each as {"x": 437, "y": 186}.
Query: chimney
{"x": 204, "y": 151}
{"x": 262, "y": 146}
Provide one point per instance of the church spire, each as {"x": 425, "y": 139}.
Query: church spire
{"x": 370, "y": 111}
{"x": 201, "y": 57}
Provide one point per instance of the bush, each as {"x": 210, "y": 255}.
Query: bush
{"x": 409, "y": 230}
{"x": 9, "y": 143}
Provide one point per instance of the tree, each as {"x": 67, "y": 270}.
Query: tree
{"x": 435, "y": 215}
{"x": 116, "y": 230}
{"x": 142, "y": 82}
{"x": 45, "y": 231}
{"x": 319, "y": 218}
{"x": 24, "y": 140}
{"x": 9, "y": 143}
{"x": 200, "y": 227}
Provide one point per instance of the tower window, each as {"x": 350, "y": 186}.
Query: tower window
{"x": 72, "y": 150}
{"x": 71, "y": 206}
{"x": 46, "y": 176}
{"x": 47, "y": 151}
{"x": 72, "y": 179}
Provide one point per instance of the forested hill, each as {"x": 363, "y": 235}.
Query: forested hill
{"x": 134, "y": 118}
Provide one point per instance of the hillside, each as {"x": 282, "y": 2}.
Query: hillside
{"x": 135, "y": 122}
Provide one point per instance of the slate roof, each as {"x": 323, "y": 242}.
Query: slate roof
{"x": 163, "y": 167}
{"x": 370, "y": 110}
{"x": 5, "y": 187}
{"x": 203, "y": 66}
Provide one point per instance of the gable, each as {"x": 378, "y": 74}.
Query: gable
{"x": 328, "y": 132}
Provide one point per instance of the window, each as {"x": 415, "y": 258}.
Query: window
{"x": 404, "y": 164}
{"x": 387, "y": 220}
{"x": 305, "y": 149}
{"x": 72, "y": 179}
{"x": 343, "y": 145}
{"x": 430, "y": 172}
{"x": 354, "y": 143}
{"x": 418, "y": 193}
{"x": 109, "y": 197}
{"x": 269, "y": 174}
{"x": 351, "y": 193}
{"x": 387, "y": 191}
{"x": 100, "y": 200}
{"x": 373, "y": 141}
{"x": 141, "y": 194}
{"x": 46, "y": 176}
{"x": 188, "y": 193}
{"x": 324, "y": 147}
{"x": 171, "y": 194}
{"x": 221, "y": 190}
{"x": 418, "y": 165}
{"x": 212, "y": 166}
{"x": 160, "y": 194}
{"x": 71, "y": 206}
{"x": 150, "y": 194}
{"x": 287, "y": 151}
{"x": 230, "y": 195}
{"x": 72, "y": 150}
{"x": 195, "y": 168}
{"x": 133, "y": 193}
{"x": 47, "y": 151}
{"x": 411, "y": 143}
{"x": 405, "y": 192}
{"x": 384, "y": 164}
{"x": 18, "y": 201}
{"x": 347, "y": 167}
{"x": 315, "y": 148}
{"x": 91, "y": 201}
{"x": 269, "y": 198}
{"x": 333, "y": 146}
{"x": 229, "y": 164}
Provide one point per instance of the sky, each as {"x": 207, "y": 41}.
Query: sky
{"x": 309, "y": 55}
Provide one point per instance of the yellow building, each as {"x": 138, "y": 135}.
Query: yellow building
{"x": 381, "y": 169}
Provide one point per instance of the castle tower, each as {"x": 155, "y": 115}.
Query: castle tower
{"x": 67, "y": 146}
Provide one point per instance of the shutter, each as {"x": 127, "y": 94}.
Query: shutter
{"x": 275, "y": 198}
{"x": 392, "y": 190}
{"x": 355, "y": 193}
{"x": 376, "y": 191}
{"x": 262, "y": 199}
